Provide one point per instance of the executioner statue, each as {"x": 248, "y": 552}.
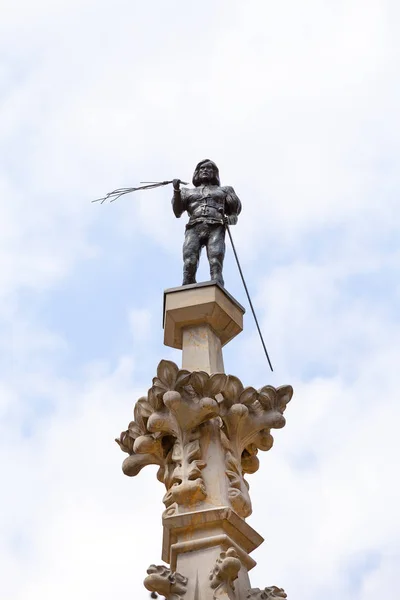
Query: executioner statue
{"x": 203, "y": 428}
{"x": 210, "y": 207}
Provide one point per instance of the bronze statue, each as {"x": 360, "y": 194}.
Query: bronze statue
{"x": 210, "y": 206}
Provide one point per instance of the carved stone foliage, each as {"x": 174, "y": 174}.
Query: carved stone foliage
{"x": 248, "y": 416}
{"x": 268, "y": 593}
{"x": 224, "y": 573}
{"x": 165, "y": 432}
{"x": 167, "y": 428}
{"x": 164, "y": 582}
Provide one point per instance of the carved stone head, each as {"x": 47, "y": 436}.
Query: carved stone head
{"x": 206, "y": 169}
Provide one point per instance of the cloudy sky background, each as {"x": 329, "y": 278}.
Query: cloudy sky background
{"x": 297, "y": 102}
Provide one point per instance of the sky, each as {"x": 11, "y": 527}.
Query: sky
{"x": 297, "y": 103}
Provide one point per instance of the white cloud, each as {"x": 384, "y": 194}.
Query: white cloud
{"x": 297, "y": 103}
{"x": 140, "y": 323}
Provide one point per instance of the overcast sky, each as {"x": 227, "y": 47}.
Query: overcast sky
{"x": 297, "y": 102}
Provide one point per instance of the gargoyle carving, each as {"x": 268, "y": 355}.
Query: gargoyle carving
{"x": 224, "y": 573}
{"x": 161, "y": 580}
{"x": 268, "y": 593}
{"x": 166, "y": 431}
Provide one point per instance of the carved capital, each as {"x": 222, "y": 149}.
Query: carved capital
{"x": 224, "y": 573}
{"x": 164, "y": 582}
{"x": 268, "y": 593}
{"x": 167, "y": 429}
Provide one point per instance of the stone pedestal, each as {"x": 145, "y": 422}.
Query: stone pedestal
{"x": 203, "y": 429}
{"x": 193, "y": 544}
{"x": 200, "y": 319}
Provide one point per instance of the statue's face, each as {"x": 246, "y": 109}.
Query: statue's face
{"x": 206, "y": 172}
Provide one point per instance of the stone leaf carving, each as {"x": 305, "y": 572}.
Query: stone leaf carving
{"x": 164, "y": 582}
{"x": 167, "y": 428}
{"x": 165, "y": 431}
{"x": 268, "y": 593}
{"x": 238, "y": 488}
{"x": 248, "y": 416}
{"x": 224, "y": 573}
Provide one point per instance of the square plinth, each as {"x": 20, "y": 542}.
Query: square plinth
{"x": 201, "y": 304}
{"x": 190, "y": 532}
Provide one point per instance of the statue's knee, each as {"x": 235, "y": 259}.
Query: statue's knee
{"x": 190, "y": 262}
{"x": 215, "y": 261}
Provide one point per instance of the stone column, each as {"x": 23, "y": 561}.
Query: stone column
{"x": 199, "y": 319}
{"x": 203, "y": 429}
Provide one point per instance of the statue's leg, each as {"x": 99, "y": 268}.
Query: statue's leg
{"x": 191, "y": 255}
{"x": 216, "y": 252}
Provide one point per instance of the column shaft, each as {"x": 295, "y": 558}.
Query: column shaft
{"x": 201, "y": 349}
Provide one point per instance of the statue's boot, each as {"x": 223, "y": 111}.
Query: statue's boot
{"x": 216, "y": 275}
{"x": 189, "y": 275}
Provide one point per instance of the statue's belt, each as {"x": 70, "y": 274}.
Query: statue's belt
{"x": 208, "y": 202}
{"x": 205, "y": 220}
{"x": 200, "y": 215}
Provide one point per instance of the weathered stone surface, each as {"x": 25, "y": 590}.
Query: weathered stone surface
{"x": 211, "y": 528}
{"x": 201, "y": 349}
{"x": 197, "y": 427}
{"x": 224, "y": 573}
{"x": 165, "y": 582}
{"x": 268, "y": 593}
{"x": 198, "y": 305}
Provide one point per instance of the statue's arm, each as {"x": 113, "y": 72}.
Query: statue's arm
{"x": 179, "y": 200}
{"x": 233, "y": 206}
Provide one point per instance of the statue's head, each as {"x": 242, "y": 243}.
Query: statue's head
{"x": 206, "y": 171}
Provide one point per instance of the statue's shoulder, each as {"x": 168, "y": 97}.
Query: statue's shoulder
{"x": 185, "y": 191}
{"x": 228, "y": 189}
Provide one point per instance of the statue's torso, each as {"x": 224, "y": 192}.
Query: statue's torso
{"x": 205, "y": 203}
